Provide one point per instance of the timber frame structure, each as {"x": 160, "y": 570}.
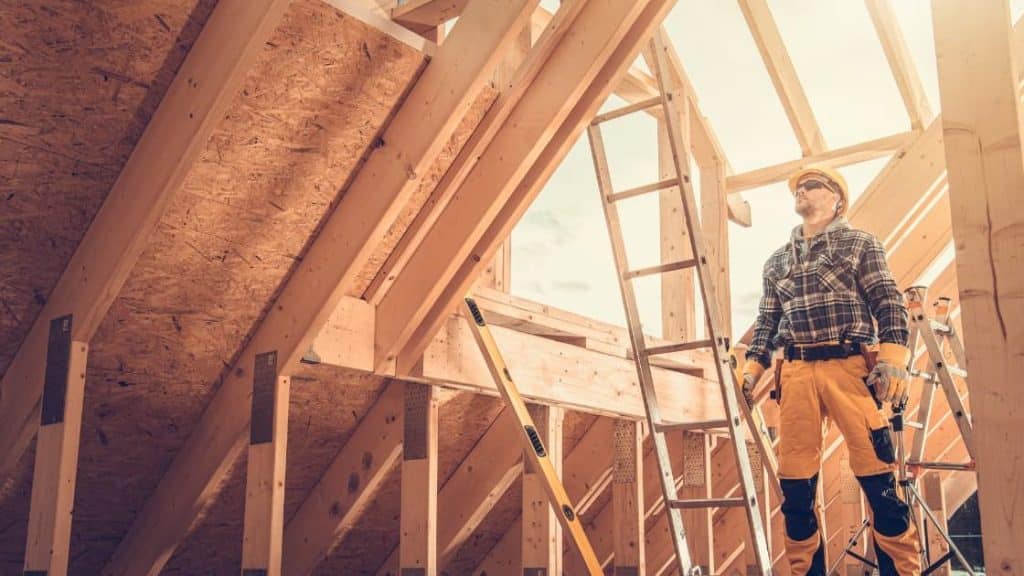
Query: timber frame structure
{"x": 233, "y": 235}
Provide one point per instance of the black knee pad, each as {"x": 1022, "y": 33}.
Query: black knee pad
{"x": 891, "y": 514}
{"x": 798, "y": 507}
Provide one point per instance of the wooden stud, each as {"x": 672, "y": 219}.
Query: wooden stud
{"x": 696, "y": 483}
{"x": 935, "y": 499}
{"x": 478, "y": 483}
{"x": 900, "y": 62}
{"x": 207, "y": 81}
{"x": 417, "y": 548}
{"x": 412, "y": 141}
{"x": 981, "y": 133}
{"x": 263, "y": 530}
{"x": 348, "y": 486}
{"x": 541, "y": 531}
{"x": 56, "y": 458}
{"x": 714, "y": 210}
{"x": 628, "y": 499}
{"x": 783, "y": 74}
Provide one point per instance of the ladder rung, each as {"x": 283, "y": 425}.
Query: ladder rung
{"x": 680, "y": 347}
{"x": 620, "y": 112}
{"x": 957, "y": 371}
{"x": 645, "y": 189}
{"x": 684, "y": 426}
{"x": 691, "y": 504}
{"x": 660, "y": 269}
{"x": 956, "y": 466}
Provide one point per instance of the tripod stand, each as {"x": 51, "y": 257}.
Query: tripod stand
{"x": 909, "y": 469}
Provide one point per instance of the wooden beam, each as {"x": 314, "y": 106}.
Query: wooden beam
{"x": 581, "y": 76}
{"x": 628, "y": 499}
{"x": 900, "y": 62}
{"x": 557, "y": 374}
{"x": 56, "y": 458}
{"x": 541, "y": 532}
{"x": 427, "y": 13}
{"x": 416, "y": 135}
{"x": 714, "y": 217}
{"x": 478, "y": 483}
{"x": 194, "y": 103}
{"x": 359, "y": 10}
{"x": 981, "y": 133}
{"x": 783, "y": 74}
{"x": 263, "y": 528}
{"x": 348, "y": 486}
{"x": 835, "y": 158}
{"x": 696, "y": 483}
{"x": 417, "y": 547}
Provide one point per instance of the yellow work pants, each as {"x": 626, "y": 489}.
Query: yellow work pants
{"x": 835, "y": 389}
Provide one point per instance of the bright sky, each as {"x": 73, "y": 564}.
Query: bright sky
{"x": 561, "y": 253}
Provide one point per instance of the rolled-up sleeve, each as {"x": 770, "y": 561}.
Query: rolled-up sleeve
{"x": 883, "y": 296}
{"x": 769, "y": 312}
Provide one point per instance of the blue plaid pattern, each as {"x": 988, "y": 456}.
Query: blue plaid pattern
{"x": 828, "y": 289}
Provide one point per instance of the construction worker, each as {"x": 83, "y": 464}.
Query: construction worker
{"x": 821, "y": 292}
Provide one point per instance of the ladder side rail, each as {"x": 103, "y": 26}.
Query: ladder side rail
{"x": 639, "y": 350}
{"x": 729, "y": 396}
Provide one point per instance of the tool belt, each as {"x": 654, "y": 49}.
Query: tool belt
{"x": 816, "y": 353}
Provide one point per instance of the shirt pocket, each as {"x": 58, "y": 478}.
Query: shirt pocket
{"x": 836, "y": 273}
{"x": 779, "y": 274}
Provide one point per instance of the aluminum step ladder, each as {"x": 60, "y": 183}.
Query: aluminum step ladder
{"x": 670, "y": 99}
{"x": 533, "y": 445}
{"x": 933, "y": 332}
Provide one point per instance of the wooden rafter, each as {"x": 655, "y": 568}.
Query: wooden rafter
{"x": 359, "y": 10}
{"x": 783, "y": 74}
{"x": 421, "y": 14}
{"x": 837, "y": 158}
{"x": 469, "y": 156}
{"x": 900, "y": 62}
{"x": 414, "y": 138}
{"x": 471, "y": 230}
{"x": 194, "y": 103}
{"x": 978, "y": 86}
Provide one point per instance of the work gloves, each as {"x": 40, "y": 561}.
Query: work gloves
{"x": 752, "y": 371}
{"x": 888, "y": 379}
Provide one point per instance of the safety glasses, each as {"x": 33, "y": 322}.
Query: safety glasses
{"x": 809, "y": 185}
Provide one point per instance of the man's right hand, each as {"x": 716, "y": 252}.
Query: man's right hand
{"x": 749, "y": 382}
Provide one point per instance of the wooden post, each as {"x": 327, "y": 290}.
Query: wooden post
{"x": 417, "y": 549}
{"x": 628, "y": 499}
{"x": 263, "y": 532}
{"x": 678, "y": 301}
{"x": 697, "y": 484}
{"x": 935, "y": 499}
{"x": 981, "y": 135}
{"x": 541, "y": 531}
{"x": 56, "y": 463}
{"x": 714, "y": 218}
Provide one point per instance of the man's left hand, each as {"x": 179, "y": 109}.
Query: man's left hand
{"x": 889, "y": 377}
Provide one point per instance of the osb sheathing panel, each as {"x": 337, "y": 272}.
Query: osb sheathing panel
{"x": 78, "y": 83}
{"x": 317, "y": 96}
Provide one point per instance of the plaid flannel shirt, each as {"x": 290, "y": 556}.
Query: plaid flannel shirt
{"x": 827, "y": 289}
